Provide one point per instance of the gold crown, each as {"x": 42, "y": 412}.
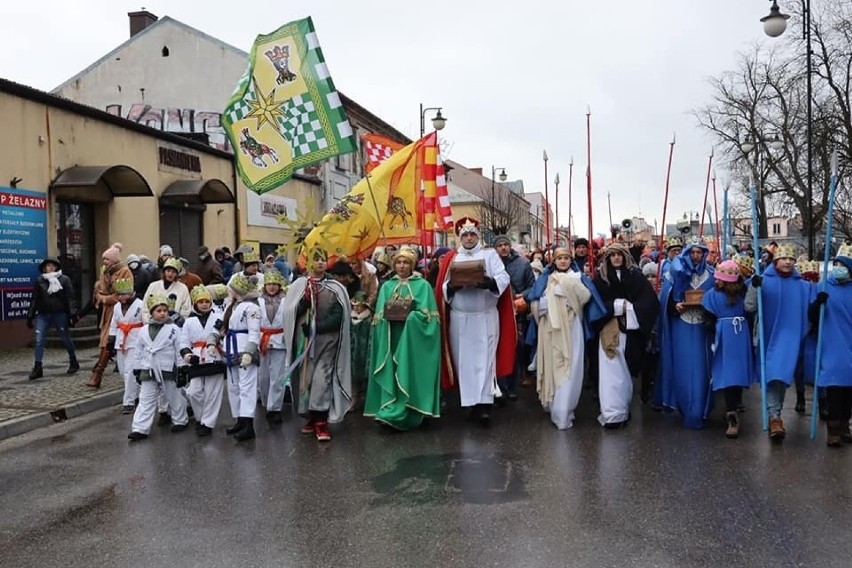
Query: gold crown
{"x": 242, "y": 285}
{"x": 200, "y": 293}
{"x": 274, "y": 277}
{"x": 845, "y": 250}
{"x": 785, "y": 251}
{"x": 173, "y": 263}
{"x": 674, "y": 242}
{"x": 157, "y": 300}
{"x": 123, "y": 286}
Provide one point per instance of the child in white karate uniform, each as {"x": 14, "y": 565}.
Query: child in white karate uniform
{"x": 123, "y": 335}
{"x": 273, "y": 352}
{"x": 155, "y": 366}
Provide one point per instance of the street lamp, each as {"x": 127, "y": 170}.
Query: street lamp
{"x": 438, "y": 121}
{"x": 503, "y": 177}
{"x": 774, "y": 25}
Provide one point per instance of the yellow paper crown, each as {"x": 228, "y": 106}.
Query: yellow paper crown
{"x": 157, "y": 300}
{"x": 123, "y": 286}
{"x": 200, "y": 293}
{"x": 274, "y": 277}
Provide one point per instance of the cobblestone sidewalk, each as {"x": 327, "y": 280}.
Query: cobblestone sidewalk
{"x": 26, "y": 404}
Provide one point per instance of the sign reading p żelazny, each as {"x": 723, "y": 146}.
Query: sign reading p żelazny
{"x": 23, "y": 245}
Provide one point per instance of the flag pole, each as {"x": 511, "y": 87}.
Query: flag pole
{"x": 761, "y": 341}
{"x": 665, "y": 209}
{"x": 706, "y": 192}
{"x": 832, "y": 189}
{"x": 570, "y": 214}
{"x": 546, "y": 203}
{"x": 589, "y": 189}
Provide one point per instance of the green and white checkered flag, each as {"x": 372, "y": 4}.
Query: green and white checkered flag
{"x": 285, "y": 113}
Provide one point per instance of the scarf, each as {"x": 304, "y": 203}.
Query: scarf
{"x": 53, "y": 283}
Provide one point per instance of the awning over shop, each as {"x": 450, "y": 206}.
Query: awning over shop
{"x": 200, "y": 191}
{"x": 100, "y": 183}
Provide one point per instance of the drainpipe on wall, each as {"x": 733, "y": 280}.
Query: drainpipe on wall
{"x": 236, "y": 205}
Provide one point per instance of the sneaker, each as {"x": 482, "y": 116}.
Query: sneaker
{"x": 309, "y": 427}
{"x": 128, "y": 409}
{"x": 178, "y": 428}
{"x": 322, "y": 431}
{"x": 134, "y": 436}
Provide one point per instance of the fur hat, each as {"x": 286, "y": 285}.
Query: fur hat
{"x": 123, "y": 286}
{"x": 113, "y": 253}
{"x": 200, "y": 293}
{"x": 156, "y": 300}
{"x": 727, "y": 271}
{"x": 243, "y": 285}
{"x": 174, "y": 264}
{"x": 166, "y": 249}
{"x": 650, "y": 269}
{"x": 785, "y": 251}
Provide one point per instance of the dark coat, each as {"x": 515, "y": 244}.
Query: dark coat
{"x": 210, "y": 271}
{"x": 521, "y": 275}
{"x": 56, "y": 303}
{"x": 142, "y": 278}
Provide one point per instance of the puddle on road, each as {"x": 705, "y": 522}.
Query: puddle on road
{"x": 438, "y": 478}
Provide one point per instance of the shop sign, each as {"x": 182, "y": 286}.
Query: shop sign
{"x": 23, "y": 245}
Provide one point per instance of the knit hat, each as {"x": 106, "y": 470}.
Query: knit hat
{"x": 173, "y": 263}
{"x": 203, "y": 250}
{"x": 785, "y": 251}
{"x": 250, "y": 257}
{"x": 123, "y": 286}
{"x": 727, "y": 271}
{"x": 166, "y": 249}
{"x": 384, "y": 259}
{"x": 131, "y": 258}
{"x": 200, "y": 293}
{"x": 242, "y": 284}
{"x": 650, "y": 269}
{"x": 218, "y": 292}
{"x": 273, "y": 277}
{"x": 113, "y": 253}
{"x": 502, "y": 239}
{"x": 157, "y": 300}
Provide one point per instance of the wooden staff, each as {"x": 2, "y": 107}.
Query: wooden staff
{"x": 660, "y": 247}
{"x": 706, "y": 193}
{"x": 589, "y": 189}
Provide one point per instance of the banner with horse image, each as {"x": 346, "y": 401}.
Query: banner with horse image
{"x": 285, "y": 113}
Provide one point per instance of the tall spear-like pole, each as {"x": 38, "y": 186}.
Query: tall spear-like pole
{"x": 832, "y": 188}
{"x": 570, "y": 213}
{"x": 706, "y": 193}
{"x": 546, "y": 201}
{"x": 726, "y": 222}
{"x": 589, "y": 188}
{"x": 718, "y": 221}
{"x": 556, "y": 220}
{"x": 661, "y": 246}
{"x": 761, "y": 341}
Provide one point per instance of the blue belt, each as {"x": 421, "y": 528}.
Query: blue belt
{"x": 232, "y": 351}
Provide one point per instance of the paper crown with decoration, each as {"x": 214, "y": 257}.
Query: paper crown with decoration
{"x": 274, "y": 277}
{"x": 467, "y": 225}
{"x": 157, "y": 300}
{"x": 250, "y": 257}
{"x": 200, "y": 293}
{"x": 845, "y": 251}
{"x": 745, "y": 262}
{"x": 173, "y": 263}
{"x": 785, "y": 251}
{"x": 674, "y": 242}
{"x": 218, "y": 292}
{"x": 123, "y": 286}
{"x": 242, "y": 284}
{"x": 809, "y": 269}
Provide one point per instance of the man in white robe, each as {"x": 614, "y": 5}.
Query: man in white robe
{"x": 474, "y": 328}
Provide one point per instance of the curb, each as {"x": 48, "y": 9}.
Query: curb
{"x": 24, "y": 424}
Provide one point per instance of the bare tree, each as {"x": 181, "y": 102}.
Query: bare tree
{"x": 766, "y": 98}
{"x": 501, "y": 210}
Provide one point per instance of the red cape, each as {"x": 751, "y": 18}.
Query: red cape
{"x": 508, "y": 329}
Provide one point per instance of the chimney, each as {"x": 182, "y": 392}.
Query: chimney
{"x": 140, "y": 20}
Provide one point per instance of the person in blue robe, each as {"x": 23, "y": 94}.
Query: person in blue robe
{"x": 731, "y": 364}
{"x": 786, "y": 297}
{"x": 684, "y": 380}
{"x": 835, "y": 370}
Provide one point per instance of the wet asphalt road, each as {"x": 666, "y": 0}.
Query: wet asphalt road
{"x": 451, "y": 494}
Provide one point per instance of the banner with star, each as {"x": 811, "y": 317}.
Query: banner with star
{"x": 285, "y": 113}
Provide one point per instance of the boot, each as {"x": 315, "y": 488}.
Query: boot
{"x": 733, "y": 419}
{"x": 37, "y": 371}
{"x": 832, "y": 438}
{"x": 845, "y": 434}
{"x": 73, "y": 365}
{"x": 237, "y": 427}
{"x": 247, "y": 433}
{"x": 776, "y": 429}
{"x": 98, "y": 371}
{"x": 800, "y": 401}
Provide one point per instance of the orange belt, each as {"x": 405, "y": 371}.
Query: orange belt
{"x": 126, "y": 327}
{"x": 266, "y": 334}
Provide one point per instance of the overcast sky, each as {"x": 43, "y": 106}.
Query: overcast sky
{"x": 513, "y": 78}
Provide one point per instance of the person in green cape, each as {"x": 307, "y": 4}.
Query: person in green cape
{"x": 404, "y": 384}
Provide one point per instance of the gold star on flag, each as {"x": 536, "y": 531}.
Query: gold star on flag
{"x": 265, "y": 108}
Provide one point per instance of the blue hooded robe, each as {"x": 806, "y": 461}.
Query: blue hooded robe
{"x": 732, "y": 362}
{"x": 785, "y": 322}
{"x": 835, "y": 369}
{"x": 684, "y": 378}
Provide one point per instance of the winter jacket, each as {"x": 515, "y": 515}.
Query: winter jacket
{"x": 521, "y": 275}
{"x": 210, "y": 271}
{"x": 142, "y": 278}
{"x": 56, "y": 303}
{"x": 282, "y": 267}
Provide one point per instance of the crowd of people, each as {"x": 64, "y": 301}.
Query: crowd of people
{"x": 391, "y": 335}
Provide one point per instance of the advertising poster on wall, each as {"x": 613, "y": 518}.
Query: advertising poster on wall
{"x": 23, "y": 245}
{"x": 263, "y": 210}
